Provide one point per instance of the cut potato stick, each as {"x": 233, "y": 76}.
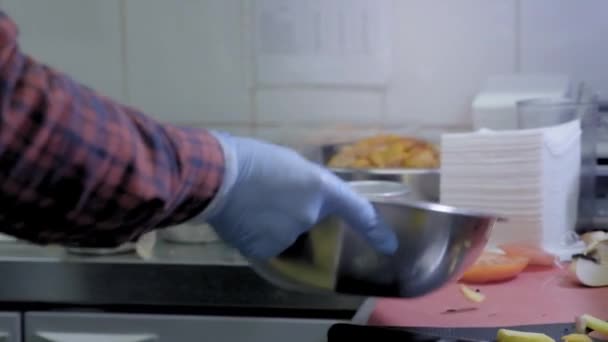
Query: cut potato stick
{"x": 507, "y": 335}
{"x": 587, "y": 322}
{"x": 472, "y": 295}
{"x": 576, "y": 338}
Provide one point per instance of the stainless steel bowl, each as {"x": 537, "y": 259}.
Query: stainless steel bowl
{"x": 189, "y": 234}
{"x": 436, "y": 244}
{"x": 94, "y": 251}
{"x": 423, "y": 184}
{"x": 380, "y": 189}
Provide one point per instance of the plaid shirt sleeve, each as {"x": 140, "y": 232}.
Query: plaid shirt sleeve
{"x": 78, "y": 169}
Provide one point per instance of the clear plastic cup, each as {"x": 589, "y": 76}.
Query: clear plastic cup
{"x": 546, "y": 112}
{"x": 539, "y": 113}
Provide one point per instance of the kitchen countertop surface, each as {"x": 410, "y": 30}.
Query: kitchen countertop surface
{"x": 193, "y": 279}
{"x": 537, "y": 296}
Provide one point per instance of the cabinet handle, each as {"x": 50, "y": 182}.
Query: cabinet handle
{"x": 92, "y": 337}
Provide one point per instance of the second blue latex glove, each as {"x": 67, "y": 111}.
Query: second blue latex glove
{"x": 270, "y": 195}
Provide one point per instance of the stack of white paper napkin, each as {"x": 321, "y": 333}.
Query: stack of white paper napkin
{"x": 531, "y": 177}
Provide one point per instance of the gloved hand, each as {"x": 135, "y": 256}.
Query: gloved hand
{"x": 270, "y": 195}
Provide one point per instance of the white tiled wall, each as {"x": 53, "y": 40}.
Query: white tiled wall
{"x": 186, "y": 60}
{"x": 314, "y": 106}
{"x": 444, "y": 52}
{"x": 82, "y": 38}
{"x": 189, "y": 61}
{"x": 568, "y": 36}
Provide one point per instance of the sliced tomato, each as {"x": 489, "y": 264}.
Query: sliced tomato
{"x": 536, "y": 256}
{"x": 494, "y": 267}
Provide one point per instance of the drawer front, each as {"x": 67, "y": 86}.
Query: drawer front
{"x": 10, "y": 327}
{"x": 72, "y": 327}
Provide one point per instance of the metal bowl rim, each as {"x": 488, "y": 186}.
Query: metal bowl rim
{"x": 439, "y": 208}
{"x": 403, "y": 188}
{"x": 386, "y": 171}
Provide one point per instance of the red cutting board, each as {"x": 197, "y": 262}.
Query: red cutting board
{"x": 538, "y": 296}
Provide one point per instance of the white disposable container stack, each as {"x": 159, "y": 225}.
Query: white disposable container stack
{"x": 531, "y": 177}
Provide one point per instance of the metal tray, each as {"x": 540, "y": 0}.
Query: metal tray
{"x": 422, "y": 183}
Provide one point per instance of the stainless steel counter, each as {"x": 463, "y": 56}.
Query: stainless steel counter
{"x": 206, "y": 279}
{"x": 163, "y": 253}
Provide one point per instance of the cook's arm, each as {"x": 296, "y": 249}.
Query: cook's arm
{"x": 77, "y": 168}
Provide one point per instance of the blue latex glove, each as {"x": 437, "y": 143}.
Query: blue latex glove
{"x": 270, "y": 195}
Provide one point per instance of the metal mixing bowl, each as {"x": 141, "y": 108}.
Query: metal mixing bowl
{"x": 436, "y": 244}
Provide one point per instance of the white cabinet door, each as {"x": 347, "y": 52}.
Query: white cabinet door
{"x": 10, "y": 327}
{"x": 93, "y": 337}
{"x": 71, "y": 327}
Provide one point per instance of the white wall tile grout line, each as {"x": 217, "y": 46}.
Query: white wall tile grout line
{"x": 518, "y": 30}
{"x": 124, "y": 51}
{"x": 249, "y": 59}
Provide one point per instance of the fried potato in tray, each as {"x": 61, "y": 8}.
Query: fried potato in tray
{"x": 387, "y": 151}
